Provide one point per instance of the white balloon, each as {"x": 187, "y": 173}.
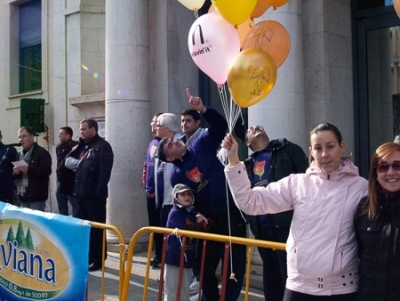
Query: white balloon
{"x": 192, "y": 4}
{"x": 213, "y": 44}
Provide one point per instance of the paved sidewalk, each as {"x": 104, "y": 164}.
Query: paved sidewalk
{"x": 136, "y": 281}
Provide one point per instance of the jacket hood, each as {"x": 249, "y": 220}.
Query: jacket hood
{"x": 346, "y": 168}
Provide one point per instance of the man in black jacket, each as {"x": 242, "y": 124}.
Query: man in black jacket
{"x": 92, "y": 175}
{"x": 8, "y": 154}
{"x": 271, "y": 161}
{"x": 32, "y": 177}
{"x": 65, "y": 176}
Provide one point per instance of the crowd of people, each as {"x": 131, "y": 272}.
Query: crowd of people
{"x": 341, "y": 230}
{"x": 83, "y": 172}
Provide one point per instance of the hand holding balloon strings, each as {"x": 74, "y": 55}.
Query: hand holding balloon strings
{"x": 232, "y": 149}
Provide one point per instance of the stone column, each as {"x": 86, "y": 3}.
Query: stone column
{"x": 282, "y": 111}
{"x": 127, "y": 108}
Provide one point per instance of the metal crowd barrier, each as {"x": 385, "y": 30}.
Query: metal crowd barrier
{"x": 250, "y": 243}
{"x": 122, "y": 253}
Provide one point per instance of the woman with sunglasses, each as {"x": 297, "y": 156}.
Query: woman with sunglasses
{"x": 377, "y": 224}
{"x": 321, "y": 248}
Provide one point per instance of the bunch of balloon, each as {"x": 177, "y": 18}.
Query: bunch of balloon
{"x": 253, "y": 72}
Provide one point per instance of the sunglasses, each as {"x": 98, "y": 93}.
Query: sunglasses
{"x": 384, "y": 166}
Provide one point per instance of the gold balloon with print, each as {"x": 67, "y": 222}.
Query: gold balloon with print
{"x": 251, "y": 77}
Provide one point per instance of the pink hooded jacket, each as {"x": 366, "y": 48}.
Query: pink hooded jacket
{"x": 321, "y": 247}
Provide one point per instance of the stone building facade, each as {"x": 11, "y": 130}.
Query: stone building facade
{"x": 121, "y": 61}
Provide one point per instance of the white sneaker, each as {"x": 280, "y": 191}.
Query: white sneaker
{"x": 194, "y": 298}
{"x": 194, "y": 287}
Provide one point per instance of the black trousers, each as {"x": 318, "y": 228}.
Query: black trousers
{"x": 154, "y": 220}
{"x": 93, "y": 209}
{"x": 215, "y": 253}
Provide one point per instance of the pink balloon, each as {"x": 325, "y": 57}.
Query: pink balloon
{"x": 213, "y": 44}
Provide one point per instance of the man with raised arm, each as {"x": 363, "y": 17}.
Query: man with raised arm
{"x": 198, "y": 167}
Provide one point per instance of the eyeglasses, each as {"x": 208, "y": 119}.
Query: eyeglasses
{"x": 23, "y": 136}
{"x": 384, "y": 166}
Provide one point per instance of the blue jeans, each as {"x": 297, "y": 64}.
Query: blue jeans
{"x": 62, "y": 201}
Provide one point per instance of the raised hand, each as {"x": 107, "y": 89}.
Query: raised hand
{"x": 195, "y": 102}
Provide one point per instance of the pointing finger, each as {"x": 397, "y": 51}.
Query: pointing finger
{"x": 189, "y": 95}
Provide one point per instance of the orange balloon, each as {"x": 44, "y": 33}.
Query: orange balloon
{"x": 243, "y": 29}
{"x": 270, "y": 36}
{"x": 251, "y": 77}
{"x": 261, "y": 7}
{"x": 277, "y": 3}
{"x": 396, "y": 4}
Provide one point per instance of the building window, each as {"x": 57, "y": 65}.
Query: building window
{"x": 102, "y": 127}
{"x": 30, "y": 46}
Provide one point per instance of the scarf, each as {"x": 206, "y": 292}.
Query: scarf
{"x": 23, "y": 182}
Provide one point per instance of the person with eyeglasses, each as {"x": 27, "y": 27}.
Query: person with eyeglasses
{"x": 322, "y": 259}
{"x": 148, "y": 182}
{"x": 271, "y": 161}
{"x": 32, "y": 179}
{"x": 377, "y": 223}
{"x": 8, "y": 154}
{"x": 167, "y": 127}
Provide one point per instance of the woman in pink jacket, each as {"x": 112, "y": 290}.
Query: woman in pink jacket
{"x": 321, "y": 247}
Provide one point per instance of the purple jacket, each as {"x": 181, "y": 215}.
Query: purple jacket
{"x": 180, "y": 218}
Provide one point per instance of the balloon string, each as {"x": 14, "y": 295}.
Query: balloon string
{"x": 232, "y": 112}
{"x": 232, "y": 276}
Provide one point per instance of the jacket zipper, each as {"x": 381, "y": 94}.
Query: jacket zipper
{"x": 396, "y": 232}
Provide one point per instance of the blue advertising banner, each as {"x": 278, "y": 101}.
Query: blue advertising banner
{"x": 43, "y": 256}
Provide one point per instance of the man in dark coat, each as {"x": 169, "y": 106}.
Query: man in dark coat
{"x": 95, "y": 160}
{"x": 32, "y": 175}
{"x": 8, "y": 154}
{"x": 65, "y": 176}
